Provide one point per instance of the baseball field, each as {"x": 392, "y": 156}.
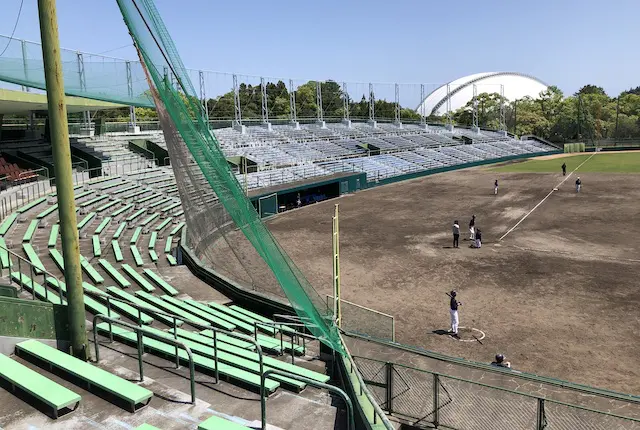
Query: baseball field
{"x": 555, "y": 286}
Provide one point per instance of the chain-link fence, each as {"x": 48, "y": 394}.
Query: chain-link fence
{"x": 429, "y": 399}
{"x": 365, "y": 321}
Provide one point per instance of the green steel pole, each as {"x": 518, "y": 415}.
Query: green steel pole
{"x": 64, "y": 179}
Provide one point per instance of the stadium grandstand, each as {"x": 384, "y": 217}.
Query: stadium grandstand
{"x": 171, "y": 343}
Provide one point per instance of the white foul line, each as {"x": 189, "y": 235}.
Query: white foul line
{"x": 546, "y": 197}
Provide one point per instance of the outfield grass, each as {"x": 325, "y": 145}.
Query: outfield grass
{"x": 602, "y": 162}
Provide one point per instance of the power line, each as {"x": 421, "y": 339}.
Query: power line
{"x": 115, "y": 49}
{"x": 14, "y": 29}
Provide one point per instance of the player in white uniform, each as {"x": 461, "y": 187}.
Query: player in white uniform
{"x": 453, "y": 312}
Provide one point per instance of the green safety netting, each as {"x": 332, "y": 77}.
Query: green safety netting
{"x": 215, "y": 203}
{"x": 85, "y": 75}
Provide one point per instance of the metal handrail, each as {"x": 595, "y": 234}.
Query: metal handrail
{"x": 377, "y": 410}
{"x": 140, "y": 331}
{"x": 32, "y": 272}
{"x": 291, "y": 335}
{"x": 263, "y": 406}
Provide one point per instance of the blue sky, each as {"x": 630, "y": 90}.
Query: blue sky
{"x": 566, "y": 43}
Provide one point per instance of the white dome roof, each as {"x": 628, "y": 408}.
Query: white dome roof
{"x": 516, "y": 86}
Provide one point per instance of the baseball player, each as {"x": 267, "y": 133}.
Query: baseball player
{"x": 500, "y": 362}
{"x": 564, "y": 169}
{"x": 472, "y": 230}
{"x": 578, "y": 184}
{"x": 495, "y": 188}
{"x": 453, "y": 311}
{"x": 456, "y": 233}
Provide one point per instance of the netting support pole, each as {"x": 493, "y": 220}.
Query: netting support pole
{"x": 475, "y": 108}
{"x": 423, "y": 117}
{"x": 398, "y": 122}
{"x": 237, "y": 121}
{"x": 389, "y": 390}
{"x": 319, "y": 108}
{"x": 86, "y": 115}
{"x": 25, "y": 64}
{"x": 372, "y": 107}
{"x": 449, "y": 124}
{"x": 540, "y": 416}
{"x": 337, "y": 305}
{"x": 503, "y": 122}
{"x": 292, "y": 106}
{"x": 436, "y": 400}
{"x": 346, "y": 120}
{"x": 203, "y": 97}
{"x": 265, "y": 105}
{"x": 132, "y": 110}
{"x": 64, "y": 177}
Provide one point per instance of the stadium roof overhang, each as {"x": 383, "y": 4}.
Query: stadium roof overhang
{"x": 19, "y": 102}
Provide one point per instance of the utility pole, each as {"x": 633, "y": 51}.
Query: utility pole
{"x": 515, "y": 117}
{"x": 64, "y": 179}
{"x": 615, "y": 135}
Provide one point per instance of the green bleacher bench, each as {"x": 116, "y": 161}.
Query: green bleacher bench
{"x": 149, "y": 219}
{"x": 217, "y": 423}
{"x": 159, "y": 203}
{"x": 33, "y": 225}
{"x": 249, "y": 360}
{"x": 48, "y": 211}
{"x": 91, "y": 305}
{"x": 53, "y": 236}
{"x": 5, "y": 257}
{"x": 152, "y": 240}
{"x": 164, "y": 223}
{"x": 91, "y": 271}
{"x": 117, "y": 252}
{"x": 31, "y": 205}
{"x": 240, "y": 325}
{"x": 102, "y": 225}
{"x": 86, "y": 220}
{"x": 239, "y": 316}
{"x": 136, "y": 193}
{"x": 135, "y": 215}
{"x": 220, "y": 337}
{"x": 170, "y": 309}
{"x": 127, "y": 391}
{"x": 156, "y": 279}
{"x": 135, "y": 236}
{"x": 148, "y": 198}
{"x": 172, "y": 260}
{"x": 138, "y": 278}
{"x": 32, "y": 256}
{"x": 40, "y": 291}
{"x": 106, "y": 206}
{"x": 42, "y": 388}
{"x": 170, "y": 184}
{"x": 117, "y": 292}
{"x": 177, "y": 228}
{"x": 218, "y": 322}
{"x": 119, "y": 231}
{"x": 136, "y": 255}
{"x": 171, "y": 206}
{"x": 122, "y": 210}
{"x": 57, "y": 258}
{"x": 257, "y": 317}
{"x": 7, "y": 223}
{"x": 123, "y": 308}
{"x": 168, "y": 243}
{"x": 95, "y": 241}
{"x": 82, "y": 194}
{"x": 153, "y": 255}
{"x": 180, "y": 212}
{"x": 167, "y": 350}
{"x": 114, "y": 185}
{"x": 124, "y": 190}
{"x": 113, "y": 272}
{"x": 102, "y": 179}
{"x": 93, "y": 201}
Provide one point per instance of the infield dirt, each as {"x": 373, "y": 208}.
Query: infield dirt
{"x": 559, "y": 296}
